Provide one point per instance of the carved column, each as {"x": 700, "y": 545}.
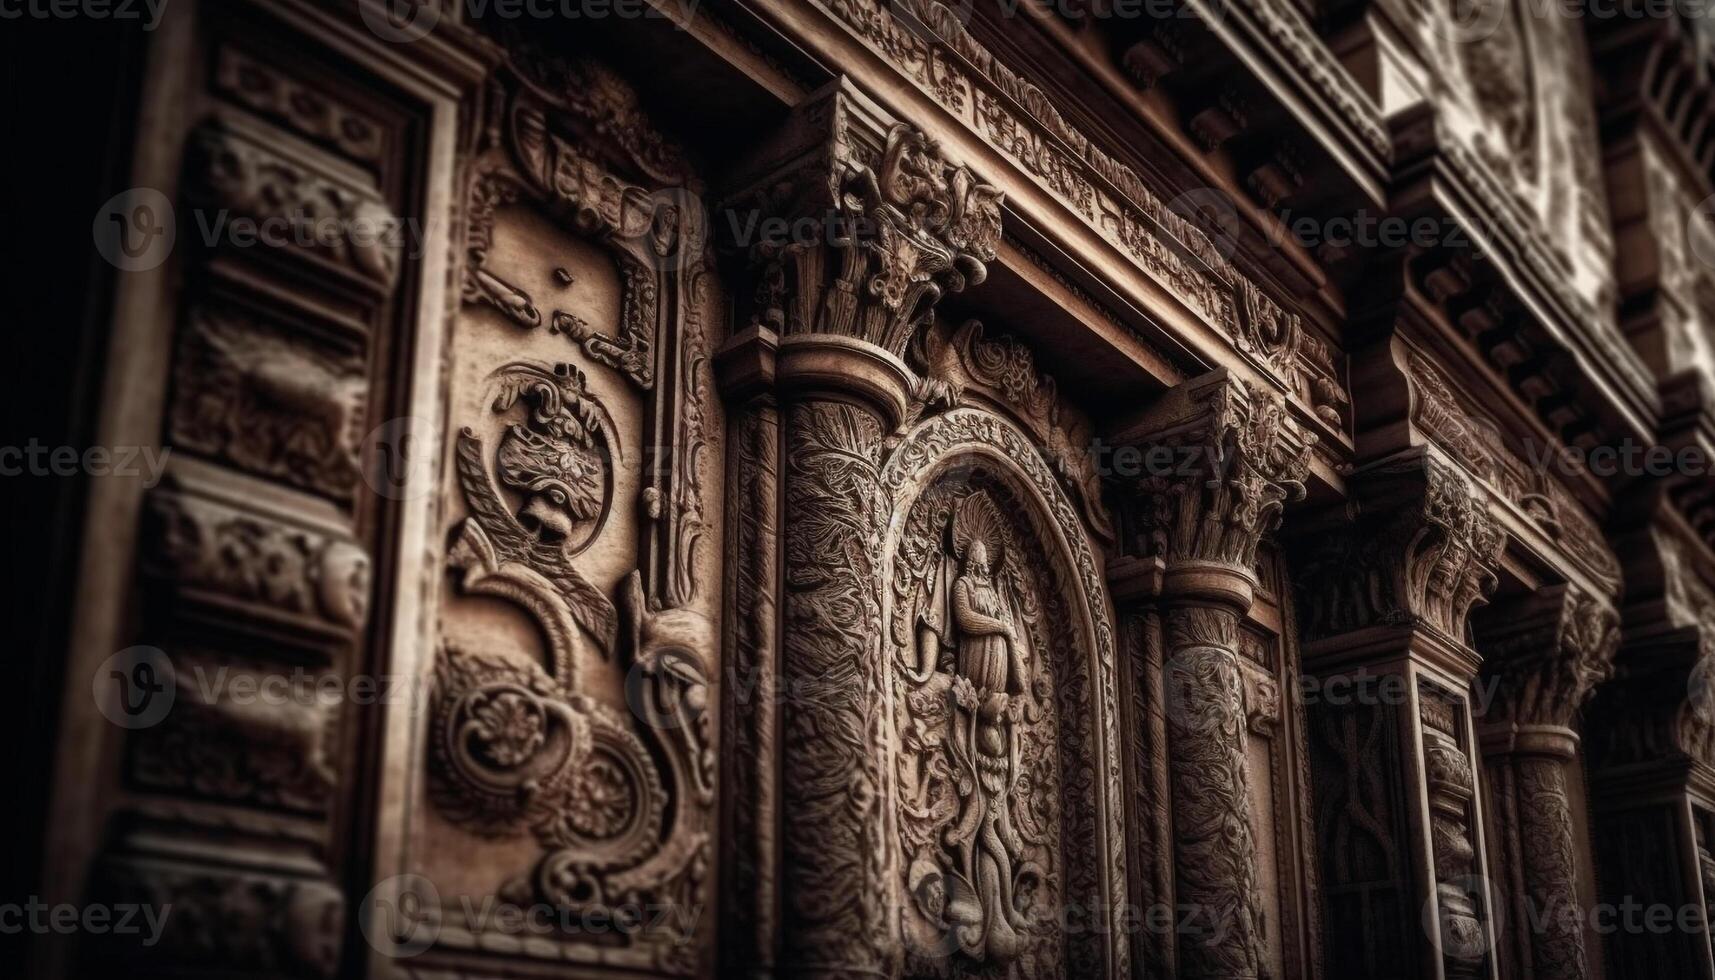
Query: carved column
{"x": 1543, "y": 657}
{"x": 1235, "y": 460}
{"x": 1385, "y": 601}
{"x": 1650, "y": 741}
{"x": 877, "y": 226}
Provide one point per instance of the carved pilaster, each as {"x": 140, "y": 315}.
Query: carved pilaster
{"x": 880, "y": 228}
{"x": 1544, "y": 656}
{"x": 1237, "y": 460}
{"x": 1650, "y": 742}
{"x": 1385, "y": 600}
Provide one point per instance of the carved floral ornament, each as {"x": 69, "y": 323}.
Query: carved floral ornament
{"x": 517, "y": 747}
{"x": 905, "y": 227}
{"x": 1425, "y": 550}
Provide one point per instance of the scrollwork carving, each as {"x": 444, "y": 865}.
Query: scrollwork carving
{"x": 1427, "y": 555}
{"x": 517, "y": 747}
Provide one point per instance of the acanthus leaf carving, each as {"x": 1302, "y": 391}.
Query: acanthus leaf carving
{"x": 910, "y": 227}
{"x": 1425, "y": 550}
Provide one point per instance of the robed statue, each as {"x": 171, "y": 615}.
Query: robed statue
{"x": 971, "y": 617}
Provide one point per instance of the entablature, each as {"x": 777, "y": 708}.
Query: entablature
{"x": 1076, "y": 195}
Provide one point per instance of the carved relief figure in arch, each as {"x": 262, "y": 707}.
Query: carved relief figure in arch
{"x": 973, "y": 612}
{"x": 1004, "y": 720}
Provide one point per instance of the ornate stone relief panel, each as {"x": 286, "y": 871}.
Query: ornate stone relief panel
{"x": 570, "y": 759}
{"x": 1515, "y": 90}
{"x": 1004, "y": 680}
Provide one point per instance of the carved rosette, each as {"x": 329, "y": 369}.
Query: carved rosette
{"x": 1238, "y": 459}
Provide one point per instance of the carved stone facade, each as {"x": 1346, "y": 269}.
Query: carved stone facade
{"x": 885, "y": 488}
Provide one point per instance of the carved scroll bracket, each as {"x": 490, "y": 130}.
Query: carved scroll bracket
{"x": 1222, "y": 460}
{"x": 1424, "y": 551}
{"x": 881, "y": 226}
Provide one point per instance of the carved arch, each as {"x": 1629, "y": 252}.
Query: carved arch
{"x": 1000, "y": 455}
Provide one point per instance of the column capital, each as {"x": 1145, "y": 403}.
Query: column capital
{"x": 1546, "y": 653}
{"x": 855, "y": 226}
{"x": 1222, "y": 458}
{"x": 1423, "y": 550}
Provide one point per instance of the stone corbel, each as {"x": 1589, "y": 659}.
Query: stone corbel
{"x": 1425, "y": 551}
{"x": 856, "y": 227}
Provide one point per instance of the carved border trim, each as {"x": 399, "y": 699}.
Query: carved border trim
{"x": 968, "y": 431}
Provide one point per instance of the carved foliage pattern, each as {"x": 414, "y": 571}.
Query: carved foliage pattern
{"x": 1089, "y": 757}
{"x": 831, "y": 638}
{"x": 1214, "y": 853}
{"x": 269, "y": 404}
